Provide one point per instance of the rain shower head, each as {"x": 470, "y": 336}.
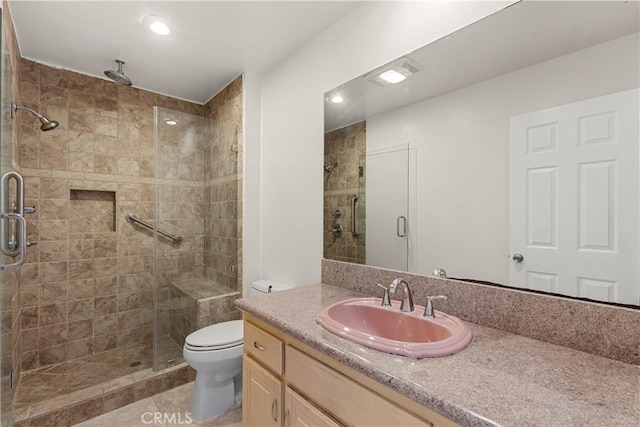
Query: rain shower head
{"x": 118, "y": 76}
{"x": 45, "y": 123}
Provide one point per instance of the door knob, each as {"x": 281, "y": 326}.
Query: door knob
{"x": 517, "y": 257}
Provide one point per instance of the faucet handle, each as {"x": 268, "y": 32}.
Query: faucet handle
{"x": 386, "y": 302}
{"x": 428, "y": 310}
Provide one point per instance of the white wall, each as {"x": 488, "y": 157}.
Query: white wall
{"x": 251, "y": 169}
{"x": 291, "y": 138}
{"x": 462, "y": 145}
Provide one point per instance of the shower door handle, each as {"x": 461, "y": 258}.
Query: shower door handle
{"x": 354, "y": 215}
{"x": 401, "y": 231}
{"x": 22, "y": 249}
{"x": 11, "y": 242}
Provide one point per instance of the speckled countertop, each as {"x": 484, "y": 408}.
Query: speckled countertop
{"x": 499, "y": 379}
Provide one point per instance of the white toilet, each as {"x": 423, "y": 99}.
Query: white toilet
{"x": 215, "y": 352}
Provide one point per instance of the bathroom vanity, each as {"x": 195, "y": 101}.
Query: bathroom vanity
{"x": 287, "y": 382}
{"x": 297, "y": 373}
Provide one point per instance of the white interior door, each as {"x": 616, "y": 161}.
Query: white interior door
{"x": 387, "y": 193}
{"x": 574, "y": 199}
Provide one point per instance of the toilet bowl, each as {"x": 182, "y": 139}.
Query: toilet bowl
{"x": 215, "y": 353}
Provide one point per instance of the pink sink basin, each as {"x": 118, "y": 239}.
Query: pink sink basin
{"x": 365, "y": 321}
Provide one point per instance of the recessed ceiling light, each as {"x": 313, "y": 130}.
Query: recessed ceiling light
{"x": 157, "y": 25}
{"x": 392, "y": 76}
{"x": 337, "y": 99}
{"x": 171, "y": 122}
{"x": 160, "y": 28}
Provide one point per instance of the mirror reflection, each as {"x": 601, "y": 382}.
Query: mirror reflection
{"x": 506, "y": 152}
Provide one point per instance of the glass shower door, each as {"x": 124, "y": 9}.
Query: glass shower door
{"x": 197, "y": 221}
{"x": 9, "y": 286}
{"x": 179, "y": 140}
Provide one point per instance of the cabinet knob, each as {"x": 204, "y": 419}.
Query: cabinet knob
{"x": 258, "y": 346}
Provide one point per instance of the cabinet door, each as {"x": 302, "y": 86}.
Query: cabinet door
{"x": 299, "y": 412}
{"x": 261, "y": 396}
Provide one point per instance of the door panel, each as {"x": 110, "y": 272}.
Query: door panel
{"x": 262, "y": 396}
{"x": 387, "y": 201}
{"x": 574, "y": 209}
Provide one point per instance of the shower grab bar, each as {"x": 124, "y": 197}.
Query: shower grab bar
{"x": 131, "y": 218}
{"x": 354, "y": 214}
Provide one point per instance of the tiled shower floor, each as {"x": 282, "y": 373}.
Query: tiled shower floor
{"x": 55, "y": 380}
{"x": 57, "y": 386}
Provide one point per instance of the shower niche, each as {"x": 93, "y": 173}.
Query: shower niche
{"x": 92, "y": 211}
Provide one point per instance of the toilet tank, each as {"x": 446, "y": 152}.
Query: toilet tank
{"x": 260, "y": 287}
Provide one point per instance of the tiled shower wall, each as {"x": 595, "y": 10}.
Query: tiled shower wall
{"x": 9, "y": 279}
{"x": 223, "y": 187}
{"x": 87, "y": 284}
{"x": 346, "y": 147}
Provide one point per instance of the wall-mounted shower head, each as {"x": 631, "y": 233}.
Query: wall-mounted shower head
{"x": 45, "y": 123}
{"x": 118, "y": 76}
{"x": 329, "y": 168}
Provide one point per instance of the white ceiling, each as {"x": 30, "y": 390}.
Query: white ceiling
{"x": 215, "y": 41}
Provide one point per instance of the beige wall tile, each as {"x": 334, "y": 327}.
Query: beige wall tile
{"x": 79, "y": 348}
{"x": 81, "y": 142}
{"x": 105, "y": 342}
{"x": 82, "y": 281}
{"x": 105, "y": 286}
{"x": 80, "y": 289}
{"x": 80, "y": 329}
{"x": 52, "y": 292}
{"x": 80, "y": 309}
{"x": 105, "y": 305}
{"x": 52, "y": 313}
{"x": 52, "y": 272}
{"x": 106, "y": 126}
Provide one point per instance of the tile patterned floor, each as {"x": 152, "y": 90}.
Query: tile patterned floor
{"x": 171, "y": 406}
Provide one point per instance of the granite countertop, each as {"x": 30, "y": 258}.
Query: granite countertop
{"x": 499, "y": 379}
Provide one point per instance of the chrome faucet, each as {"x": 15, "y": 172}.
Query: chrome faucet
{"x": 407, "y": 301}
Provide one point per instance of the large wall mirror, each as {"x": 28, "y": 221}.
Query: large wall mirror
{"x": 506, "y": 152}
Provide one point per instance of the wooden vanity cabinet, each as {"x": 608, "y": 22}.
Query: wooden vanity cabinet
{"x": 300, "y": 412}
{"x": 261, "y": 395}
{"x": 288, "y": 383}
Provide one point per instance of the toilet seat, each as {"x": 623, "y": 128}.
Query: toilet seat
{"x": 215, "y": 337}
